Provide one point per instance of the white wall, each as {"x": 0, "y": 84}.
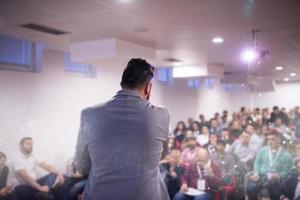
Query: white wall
{"x": 286, "y": 95}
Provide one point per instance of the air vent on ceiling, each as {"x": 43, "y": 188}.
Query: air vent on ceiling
{"x": 44, "y": 29}
{"x": 174, "y": 60}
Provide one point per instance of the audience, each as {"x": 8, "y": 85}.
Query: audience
{"x": 209, "y": 155}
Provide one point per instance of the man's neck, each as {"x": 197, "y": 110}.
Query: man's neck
{"x": 139, "y": 92}
{"x": 25, "y": 154}
{"x": 275, "y": 148}
{"x": 221, "y": 153}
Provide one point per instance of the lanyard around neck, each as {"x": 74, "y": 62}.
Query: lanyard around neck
{"x": 271, "y": 161}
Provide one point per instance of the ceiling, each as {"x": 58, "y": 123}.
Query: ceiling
{"x": 182, "y": 29}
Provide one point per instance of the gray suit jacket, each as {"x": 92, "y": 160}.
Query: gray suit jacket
{"x": 120, "y": 144}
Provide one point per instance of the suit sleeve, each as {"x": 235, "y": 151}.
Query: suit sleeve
{"x": 82, "y": 161}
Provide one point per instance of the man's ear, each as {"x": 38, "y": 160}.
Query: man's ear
{"x": 148, "y": 88}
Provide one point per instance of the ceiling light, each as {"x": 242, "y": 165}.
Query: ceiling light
{"x": 217, "y": 40}
{"x": 278, "y": 68}
{"x": 125, "y": 1}
{"x": 249, "y": 55}
{"x": 293, "y": 74}
{"x": 286, "y": 79}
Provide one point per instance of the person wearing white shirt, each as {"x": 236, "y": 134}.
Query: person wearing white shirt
{"x": 25, "y": 166}
{"x": 203, "y": 138}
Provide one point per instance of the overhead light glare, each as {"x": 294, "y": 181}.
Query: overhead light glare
{"x": 249, "y": 55}
{"x": 188, "y": 71}
{"x": 293, "y": 74}
{"x": 286, "y": 79}
{"x": 278, "y": 68}
{"x": 217, "y": 40}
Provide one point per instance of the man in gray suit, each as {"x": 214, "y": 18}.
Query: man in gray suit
{"x": 123, "y": 140}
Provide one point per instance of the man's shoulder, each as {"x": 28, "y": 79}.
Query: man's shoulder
{"x": 93, "y": 109}
{"x": 286, "y": 153}
{"x": 159, "y": 111}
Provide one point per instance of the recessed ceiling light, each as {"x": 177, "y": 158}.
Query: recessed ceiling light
{"x": 286, "y": 79}
{"x": 278, "y": 68}
{"x": 217, "y": 40}
{"x": 124, "y": 1}
{"x": 293, "y": 74}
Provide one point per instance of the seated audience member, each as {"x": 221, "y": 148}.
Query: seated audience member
{"x": 74, "y": 182}
{"x": 190, "y": 123}
{"x": 225, "y": 161}
{"x": 291, "y": 184}
{"x": 203, "y": 175}
{"x": 271, "y": 165}
{"x": 235, "y": 131}
{"x": 262, "y": 133}
{"x": 189, "y": 154}
{"x": 227, "y": 165}
{"x": 225, "y": 138}
{"x": 179, "y": 134}
{"x": 211, "y": 146}
{"x": 25, "y": 168}
{"x": 172, "y": 172}
{"x": 255, "y": 141}
{"x": 243, "y": 151}
{"x": 214, "y": 127}
{"x": 203, "y": 138}
{"x": 256, "y": 116}
{"x": 196, "y": 128}
{"x": 5, "y": 191}
{"x": 278, "y": 114}
{"x": 281, "y": 128}
{"x": 224, "y": 123}
{"x": 180, "y": 128}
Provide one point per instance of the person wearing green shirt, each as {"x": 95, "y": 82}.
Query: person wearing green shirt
{"x": 271, "y": 165}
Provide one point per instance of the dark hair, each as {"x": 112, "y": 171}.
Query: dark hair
{"x": 2, "y": 155}
{"x": 275, "y": 108}
{"x": 274, "y": 132}
{"x": 222, "y": 142}
{"x": 180, "y": 122}
{"x": 137, "y": 73}
{"x": 23, "y": 140}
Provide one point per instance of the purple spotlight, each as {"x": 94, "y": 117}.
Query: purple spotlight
{"x": 249, "y": 55}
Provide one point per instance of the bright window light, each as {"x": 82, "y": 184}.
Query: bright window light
{"x": 184, "y": 72}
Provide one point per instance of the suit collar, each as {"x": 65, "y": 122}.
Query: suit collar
{"x": 128, "y": 93}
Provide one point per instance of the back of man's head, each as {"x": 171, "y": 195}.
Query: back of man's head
{"x": 137, "y": 73}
